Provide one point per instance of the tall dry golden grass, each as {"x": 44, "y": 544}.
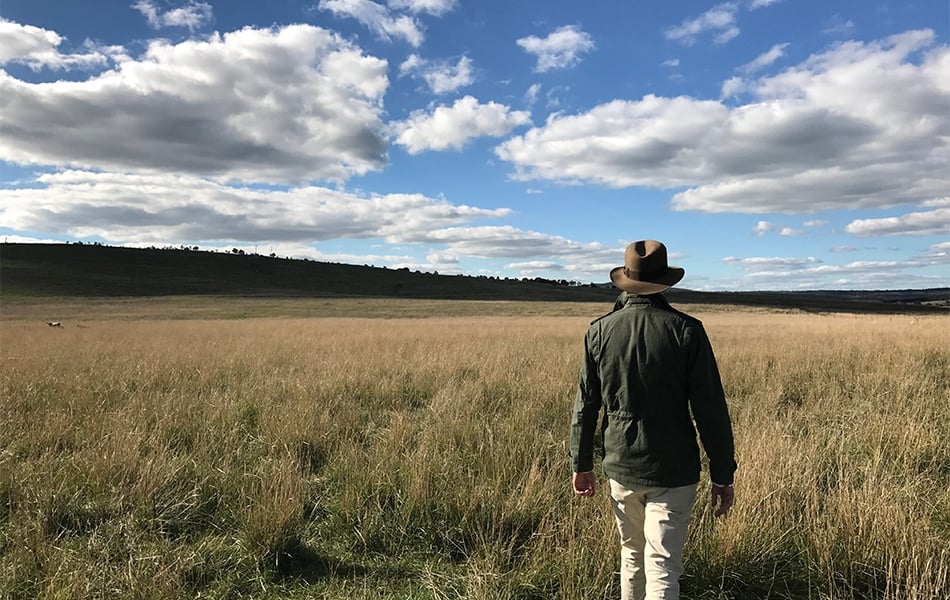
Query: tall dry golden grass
{"x": 426, "y": 458}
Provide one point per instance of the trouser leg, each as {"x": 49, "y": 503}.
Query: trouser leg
{"x": 666, "y": 522}
{"x": 629, "y": 508}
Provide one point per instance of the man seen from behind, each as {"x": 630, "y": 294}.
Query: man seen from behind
{"x": 651, "y": 370}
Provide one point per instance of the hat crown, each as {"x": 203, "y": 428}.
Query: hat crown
{"x": 645, "y": 258}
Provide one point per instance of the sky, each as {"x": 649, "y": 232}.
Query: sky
{"x": 770, "y": 144}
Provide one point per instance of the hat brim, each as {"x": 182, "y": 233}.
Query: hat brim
{"x": 657, "y": 284}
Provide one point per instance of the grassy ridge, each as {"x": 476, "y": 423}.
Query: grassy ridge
{"x": 425, "y": 459}
{"x": 32, "y": 272}
{"x": 100, "y": 271}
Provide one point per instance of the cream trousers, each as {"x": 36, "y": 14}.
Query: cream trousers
{"x": 652, "y": 523}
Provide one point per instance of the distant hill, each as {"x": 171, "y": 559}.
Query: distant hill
{"x": 84, "y": 270}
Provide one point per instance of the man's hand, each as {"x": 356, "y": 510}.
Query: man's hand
{"x": 723, "y": 497}
{"x": 585, "y": 483}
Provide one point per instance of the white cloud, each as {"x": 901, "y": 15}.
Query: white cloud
{"x": 452, "y": 126}
{"x": 673, "y": 62}
{"x": 591, "y": 261}
{"x": 561, "y": 49}
{"x": 155, "y": 208}
{"x": 26, "y": 239}
{"x": 816, "y": 223}
{"x": 192, "y": 15}
{"x": 282, "y": 105}
{"x": 442, "y": 258}
{"x": 433, "y": 7}
{"x": 837, "y": 25}
{"x": 763, "y": 227}
{"x": 812, "y": 273}
{"x": 531, "y": 96}
{"x": 619, "y": 144}
{"x": 38, "y": 48}
{"x": 938, "y": 254}
{"x": 720, "y": 19}
{"x": 934, "y": 222}
{"x": 441, "y": 77}
{"x": 144, "y": 210}
{"x": 379, "y": 19}
{"x": 862, "y": 125}
{"x": 765, "y": 59}
{"x": 754, "y": 4}
{"x": 553, "y": 96}
{"x": 532, "y": 267}
{"x": 839, "y": 249}
{"x": 733, "y": 87}
{"x": 758, "y": 264}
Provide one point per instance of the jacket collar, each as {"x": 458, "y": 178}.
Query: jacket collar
{"x": 657, "y": 300}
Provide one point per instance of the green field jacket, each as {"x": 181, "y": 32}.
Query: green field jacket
{"x": 649, "y": 367}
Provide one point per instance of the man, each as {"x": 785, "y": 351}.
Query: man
{"x": 649, "y": 366}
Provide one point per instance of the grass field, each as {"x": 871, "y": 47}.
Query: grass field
{"x": 417, "y": 449}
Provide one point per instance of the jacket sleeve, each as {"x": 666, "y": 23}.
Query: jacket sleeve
{"x": 708, "y": 404}
{"x": 586, "y": 410}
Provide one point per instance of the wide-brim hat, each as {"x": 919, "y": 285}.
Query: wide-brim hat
{"x": 645, "y": 269}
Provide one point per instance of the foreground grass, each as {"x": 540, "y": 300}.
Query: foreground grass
{"x": 426, "y": 458}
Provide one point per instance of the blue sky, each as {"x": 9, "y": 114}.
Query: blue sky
{"x": 771, "y": 144}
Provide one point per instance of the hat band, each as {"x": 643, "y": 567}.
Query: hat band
{"x": 644, "y": 275}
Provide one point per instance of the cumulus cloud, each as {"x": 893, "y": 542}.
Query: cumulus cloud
{"x": 378, "y": 18}
{"x": 38, "y": 48}
{"x": 720, "y": 19}
{"x": 192, "y": 15}
{"x": 452, "y": 126}
{"x": 861, "y": 125}
{"x": 281, "y": 105}
{"x": 153, "y": 208}
{"x": 433, "y": 7}
{"x": 441, "y": 76}
{"x": 561, "y": 49}
{"x": 933, "y": 222}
